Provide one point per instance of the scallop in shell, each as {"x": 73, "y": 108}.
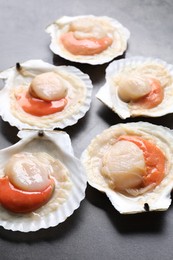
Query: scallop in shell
{"x": 88, "y": 39}
{"x": 138, "y": 86}
{"x": 54, "y": 152}
{"x": 22, "y": 107}
{"x": 132, "y": 164}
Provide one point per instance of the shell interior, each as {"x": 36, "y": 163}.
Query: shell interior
{"x": 157, "y": 198}
{"x": 79, "y": 96}
{"x": 67, "y": 195}
{"x": 108, "y": 93}
{"x": 119, "y": 45}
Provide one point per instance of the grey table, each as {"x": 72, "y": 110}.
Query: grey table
{"x": 96, "y": 230}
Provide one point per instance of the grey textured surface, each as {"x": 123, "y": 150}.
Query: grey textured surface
{"x": 96, "y": 230}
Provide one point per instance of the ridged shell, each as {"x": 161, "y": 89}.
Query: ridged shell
{"x": 120, "y": 38}
{"x": 108, "y": 94}
{"x": 59, "y": 208}
{"x": 155, "y": 199}
{"x": 79, "y": 95}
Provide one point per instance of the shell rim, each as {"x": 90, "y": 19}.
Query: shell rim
{"x": 68, "y": 206}
{"x": 50, "y": 30}
{"x": 70, "y": 120}
{"x": 123, "y": 112}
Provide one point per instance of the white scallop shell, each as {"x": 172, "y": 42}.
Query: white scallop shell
{"x": 58, "y": 145}
{"x": 12, "y": 113}
{"x": 156, "y": 199}
{"x": 120, "y": 38}
{"x": 108, "y": 93}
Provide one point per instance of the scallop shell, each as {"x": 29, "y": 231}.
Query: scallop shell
{"x": 79, "y": 94}
{"x": 108, "y": 94}
{"x": 120, "y": 38}
{"x": 61, "y": 205}
{"x": 151, "y": 200}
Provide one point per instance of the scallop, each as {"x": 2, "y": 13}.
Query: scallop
{"x": 138, "y": 86}
{"x": 132, "y": 164}
{"x": 38, "y": 95}
{"x": 88, "y": 38}
{"x": 40, "y": 159}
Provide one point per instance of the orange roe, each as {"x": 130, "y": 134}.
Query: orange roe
{"x": 154, "y": 159}
{"x": 39, "y": 107}
{"x": 89, "y": 46}
{"x": 20, "y": 201}
{"x": 153, "y": 98}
